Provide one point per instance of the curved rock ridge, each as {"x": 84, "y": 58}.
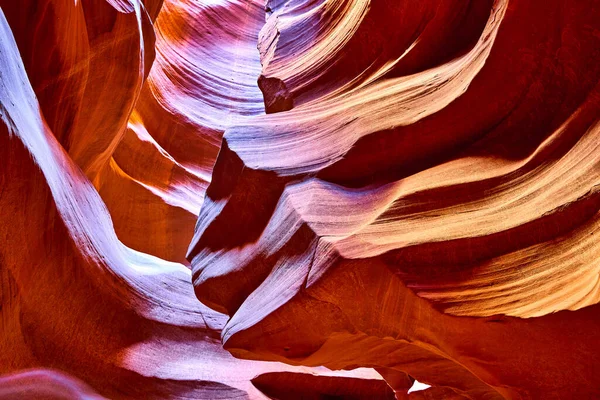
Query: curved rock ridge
{"x": 204, "y": 78}
{"x": 44, "y": 384}
{"x": 73, "y": 296}
{"x": 87, "y": 60}
{"x": 370, "y": 194}
{"x": 422, "y": 197}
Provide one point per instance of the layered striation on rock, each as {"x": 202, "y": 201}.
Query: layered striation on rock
{"x": 44, "y": 384}
{"x": 101, "y": 176}
{"x": 421, "y": 198}
{"x": 87, "y": 61}
{"x": 203, "y": 79}
{"x": 370, "y": 194}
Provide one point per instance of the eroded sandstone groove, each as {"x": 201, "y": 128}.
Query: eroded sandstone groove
{"x": 363, "y": 192}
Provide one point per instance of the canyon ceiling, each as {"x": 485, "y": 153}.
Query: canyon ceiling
{"x": 300, "y": 199}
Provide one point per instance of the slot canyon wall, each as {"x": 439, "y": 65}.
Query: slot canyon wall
{"x": 299, "y": 199}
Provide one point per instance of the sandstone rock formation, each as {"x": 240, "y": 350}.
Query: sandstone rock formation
{"x": 429, "y": 206}
{"x": 91, "y": 141}
{"x": 365, "y": 193}
{"x": 44, "y": 384}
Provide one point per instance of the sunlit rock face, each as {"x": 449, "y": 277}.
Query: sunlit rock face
{"x": 377, "y": 196}
{"x": 421, "y": 197}
{"x": 111, "y": 117}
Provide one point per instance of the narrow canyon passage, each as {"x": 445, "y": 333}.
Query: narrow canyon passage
{"x": 299, "y": 199}
{"x": 100, "y": 292}
{"x": 203, "y": 80}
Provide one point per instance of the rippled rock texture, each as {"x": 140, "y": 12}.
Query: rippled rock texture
{"x": 362, "y": 192}
{"x": 112, "y": 114}
{"x": 422, "y": 199}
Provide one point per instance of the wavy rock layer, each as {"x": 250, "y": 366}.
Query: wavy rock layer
{"x": 104, "y": 165}
{"x": 411, "y": 187}
{"x": 204, "y": 78}
{"x": 44, "y": 384}
{"x": 421, "y": 198}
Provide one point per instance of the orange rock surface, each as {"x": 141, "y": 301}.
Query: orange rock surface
{"x": 299, "y": 199}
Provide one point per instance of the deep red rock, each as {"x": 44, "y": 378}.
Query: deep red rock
{"x": 380, "y": 196}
